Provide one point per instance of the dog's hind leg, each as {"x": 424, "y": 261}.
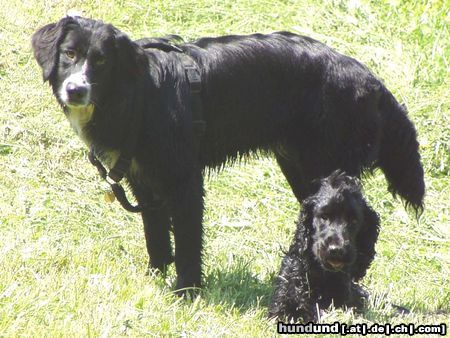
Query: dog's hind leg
{"x": 292, "y": 171}
{"x": 303, "y": 168}
{"x": 186, "y": 205}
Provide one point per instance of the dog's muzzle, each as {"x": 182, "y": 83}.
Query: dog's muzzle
{"x": 336, "y": 258}
{"x": 76, "y": 93}
{"x": 76, "y": 90}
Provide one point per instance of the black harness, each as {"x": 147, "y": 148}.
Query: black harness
{"x": 122, "y": 165}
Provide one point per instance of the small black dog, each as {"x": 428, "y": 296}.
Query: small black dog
{"x": 333, "y": 247}
{"x": 134, "y": 104}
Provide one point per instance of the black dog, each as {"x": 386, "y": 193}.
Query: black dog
{"x": 333, "y": 247}
{"x": 134, "y": 102}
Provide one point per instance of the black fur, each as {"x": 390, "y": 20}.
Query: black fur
{"x": 332, "y": 249}
{"x": 313, "y": 108}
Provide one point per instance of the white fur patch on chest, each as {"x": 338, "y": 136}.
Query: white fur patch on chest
{"x": 79, "y": 117}
{"x": 135, "y": 168}
{"x": 109, "y": 158}
{"x": 135, "y": 171}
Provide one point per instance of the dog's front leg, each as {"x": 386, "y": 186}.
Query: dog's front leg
{"x": 294, "y": 298}
{"x": 335, "y": 287}
{"x": 187, "y": 212}
{"x": 157, "y": 237}
{"x": 156, "y": 227}
{"x": 357, "y": 297}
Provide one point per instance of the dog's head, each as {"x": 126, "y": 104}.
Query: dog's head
{"x": 340, "y": 218}
{"x": 82, "y": 58}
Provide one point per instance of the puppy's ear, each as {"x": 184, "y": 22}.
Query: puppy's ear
{"x": 365, "y": 242}
{"x": 131, "y": 58}
{"x": 307, "y": 213}
{"x": 45, "y": 43}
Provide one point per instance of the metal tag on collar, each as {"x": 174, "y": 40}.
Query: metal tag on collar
{"x": 109, "y": 196}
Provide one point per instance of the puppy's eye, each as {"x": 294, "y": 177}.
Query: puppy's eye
{"x": 71, "y": 54}
{"x": 324, "y": 217}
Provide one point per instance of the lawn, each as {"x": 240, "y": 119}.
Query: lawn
{"x": 73, "y": 265}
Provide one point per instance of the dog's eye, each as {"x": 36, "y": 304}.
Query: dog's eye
{"x": 324, "y": 217}
{"x": 99, "y": 61}
{"x": 71, "y": 54}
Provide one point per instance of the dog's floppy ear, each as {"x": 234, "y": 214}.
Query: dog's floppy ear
{"x": 45, "y": 43}
{"x": 365, "y": 242}
{"x": 307, "y": 213}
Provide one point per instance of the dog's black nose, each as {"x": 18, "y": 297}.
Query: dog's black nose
{"x": 336, "y": 252}
{"x": 76, "y": 92}
{"x": 338, "y": 256}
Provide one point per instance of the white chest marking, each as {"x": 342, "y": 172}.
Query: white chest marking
{"x": 79, "y": 117}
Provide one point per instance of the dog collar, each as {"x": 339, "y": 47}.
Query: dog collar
{"x": 113, "y": 178}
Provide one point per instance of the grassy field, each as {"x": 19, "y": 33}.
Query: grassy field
{"x": 71, "y": 265}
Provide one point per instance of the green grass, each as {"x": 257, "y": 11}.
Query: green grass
{"x": 72, "y": 265}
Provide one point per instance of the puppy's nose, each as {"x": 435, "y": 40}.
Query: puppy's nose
{"x": 337, "y": 256}
{"x": 76, "y": 92}
{"x": 336, "y": 251}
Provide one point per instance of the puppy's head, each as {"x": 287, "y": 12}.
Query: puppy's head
{"x": 337, "y": 216}
{"x": 83, "y": 59}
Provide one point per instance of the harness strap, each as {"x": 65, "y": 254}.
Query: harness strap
{"x": 195, "y": 85}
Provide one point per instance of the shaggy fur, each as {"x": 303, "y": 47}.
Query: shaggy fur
{"x": 316, "y": 110}
{"x": 332, "y": 249}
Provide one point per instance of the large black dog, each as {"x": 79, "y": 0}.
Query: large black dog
{"x": 332, "y": 249}
{"x": 313, "y": 108}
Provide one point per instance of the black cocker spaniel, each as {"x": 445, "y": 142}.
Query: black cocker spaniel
{"x": 333, "y": 247}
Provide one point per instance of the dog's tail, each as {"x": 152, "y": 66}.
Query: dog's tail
{"x": 399, "y": 156}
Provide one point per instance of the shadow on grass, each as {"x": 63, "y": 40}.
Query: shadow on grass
{"x": 237, "y": 287}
